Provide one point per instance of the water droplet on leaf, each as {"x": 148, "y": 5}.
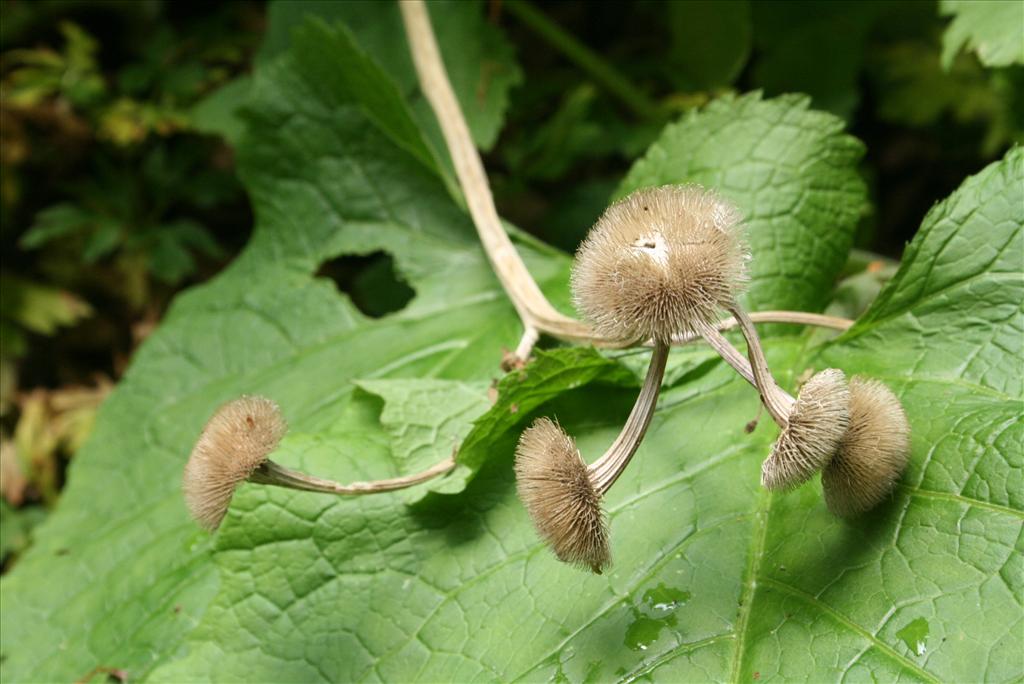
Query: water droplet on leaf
{"x": 914, "y": 635}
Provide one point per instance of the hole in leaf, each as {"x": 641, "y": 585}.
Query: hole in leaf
{"x": 370, "y": 281}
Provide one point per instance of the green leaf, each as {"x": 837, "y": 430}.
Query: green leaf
{"x": 790, "y": 170}
{"x": 219, "y": 112}
{"x": 37, "y": 307}
{"x": 426, "y": 421}
{"x": 56, "y": 222}
{"x": 713, "y": 579}
{"x": 16, "y": 525}
{"x": 347, "y": 71}
{"x": 106, "y": 236}
{"x": 325, "y": 182}
{"x": 974, "y": 233}
{"x": 522, "y": 391}
{"x": 992, "y": 28}
{"x": 930, "y": 584}
{"x": 479, "y": 60}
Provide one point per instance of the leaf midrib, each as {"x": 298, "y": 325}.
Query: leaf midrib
{"x": 757, "y": 544}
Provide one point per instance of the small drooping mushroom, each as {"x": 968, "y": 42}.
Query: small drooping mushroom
{"x": 872, "y": 453}
{"x": 233, "y": 445}
{"x": 555, "y": 485}
{"x": 814, "y": 427}
{"x": 659, "y": 263}
{"x": 233, "y": 448}
{"x": 562, "y": 494}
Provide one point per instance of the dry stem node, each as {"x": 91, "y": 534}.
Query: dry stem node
{"x": 659, "y": 262}
{"x": 234, "y": 443}
{"x": 555, "y": 486}
{"x": 815, "y": 426}
{"x": 873, "y": 452}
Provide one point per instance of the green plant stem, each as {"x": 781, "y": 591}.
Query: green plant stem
{"x": 603, "y": 73}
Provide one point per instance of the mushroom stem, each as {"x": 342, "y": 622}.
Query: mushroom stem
{"x": 530, "y": 336}
{"x": 271, "y": 473}
{"x": 778, "y": 402}
{"x": 606, "y": 470}
{"x": 717, "y": 341}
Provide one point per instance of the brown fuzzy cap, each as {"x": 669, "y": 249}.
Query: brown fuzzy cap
{"x": 658, "y": 262}
{"x": 555, "y": 487}
{"x": 817, "y": 423}
{"x": 235, "y": 441}
{"x": 872, "y": 454}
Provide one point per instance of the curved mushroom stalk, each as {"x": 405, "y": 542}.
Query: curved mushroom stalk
{"x": 233, "y": 448}
{"x": 562, "y": 494}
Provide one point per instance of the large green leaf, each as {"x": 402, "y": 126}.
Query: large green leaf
{"x": 928, "y": 587}
{"x": 127, "y": 574}
{"x": 712, "y": 579}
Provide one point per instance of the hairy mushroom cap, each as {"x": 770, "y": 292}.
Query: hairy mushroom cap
{"x": 236, "y": 440}
{"x": 872, "y": 454}
{"x": 658, "y": 262}
{"x": 555, "y": 486}
{"x": 815, "y": 427}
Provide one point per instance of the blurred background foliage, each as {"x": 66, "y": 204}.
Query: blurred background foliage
{"x": 118, "y": 186}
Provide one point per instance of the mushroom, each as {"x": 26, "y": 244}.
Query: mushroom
{"x": 856, "y": 434}
{"x": 872, "y": 453}
{"x": 557, "y": 488}
{"x": 233, "y": 448}
{"x": 563, "y": 494}
{"x": 664, "y": 262}
{"x": 812, "y": 424}
{"x": 661, "y": 264}
{"x": 814, "y": 427}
